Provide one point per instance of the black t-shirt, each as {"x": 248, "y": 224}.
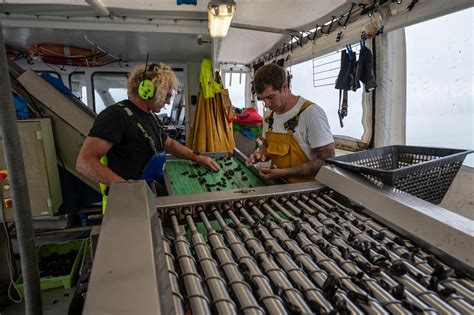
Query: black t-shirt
{"x": 131, "y": 150}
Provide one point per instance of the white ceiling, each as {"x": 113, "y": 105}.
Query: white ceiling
{"x": 161, "y": 27}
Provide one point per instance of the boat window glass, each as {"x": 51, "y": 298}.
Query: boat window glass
{"x": 315, "y": 80}
{"x": 109, "y": 88}
{"x": 440, "y": 83}
{"x": 235, "y": 83}
{"x": 77, "y": 84}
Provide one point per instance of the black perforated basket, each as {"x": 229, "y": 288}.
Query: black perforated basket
{"x": 423, "y": 172}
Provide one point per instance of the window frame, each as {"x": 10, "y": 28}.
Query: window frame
{"x": 92, "y": 84}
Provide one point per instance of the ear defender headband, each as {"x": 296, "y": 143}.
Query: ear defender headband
{"x": 146, "y": 89}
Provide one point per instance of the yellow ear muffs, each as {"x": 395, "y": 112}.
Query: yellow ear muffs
{"x": 146, "y": 90}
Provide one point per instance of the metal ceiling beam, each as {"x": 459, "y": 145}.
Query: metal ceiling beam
{"x": 106, "y": 24}
{"x": 266, "y": 29}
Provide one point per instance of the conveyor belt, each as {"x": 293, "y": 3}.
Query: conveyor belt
{"x": 289, "y": 249}
{"x": 186, "y": 177}
{"x": 306, "y": 254}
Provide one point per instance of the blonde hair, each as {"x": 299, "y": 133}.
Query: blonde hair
{"x": 161, "y": 76}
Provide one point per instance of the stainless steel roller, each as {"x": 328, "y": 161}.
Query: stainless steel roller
{"x": 424, "y": 261}
{"x": 173, "y": 275}
{"x": 294, "y": 300}
{"x": 220, "y": 298}
{"x": 242, "y": 291}
{"x": 390, "y": 303}
{"x": 196, "y": 298}
{"x": 349, "y": 266}
{"x": 376, "y": 250}
{"x": 284, "y": 259}
{"x": 293, "y": 249}
{"x": 307, "y": 253}
{"x": 319, "y": 276}
{"x": 273, "y": 303}
{"x": 409, "y": 299}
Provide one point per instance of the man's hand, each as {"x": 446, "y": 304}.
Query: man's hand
{"x": 255, "y": 158}
{"x": 271, "y": 173}
{"x": 207, "y": 162}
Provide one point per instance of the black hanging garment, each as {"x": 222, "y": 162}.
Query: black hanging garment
{"x": 365, "y": 69}
{"x": 346, "y": 80}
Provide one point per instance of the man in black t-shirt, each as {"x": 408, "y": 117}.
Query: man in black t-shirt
{"x": 129, "y": 133}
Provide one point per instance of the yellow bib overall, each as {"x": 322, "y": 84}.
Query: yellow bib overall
{"x": 103, "y": 187}
{"x": 283, "y": 148}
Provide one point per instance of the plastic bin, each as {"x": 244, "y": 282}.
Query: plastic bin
{"x": 423, "y": 172}
{"x": 66, "y": 281}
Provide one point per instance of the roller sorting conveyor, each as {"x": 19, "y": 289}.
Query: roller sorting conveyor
{"x": 291, "y": 249}
{"x": 309, "y": 254}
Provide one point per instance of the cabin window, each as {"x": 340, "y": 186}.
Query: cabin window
{"x": 77, "y": 84}
{"x": 315, "y": 80}
{"x": 235, "y": 83}
{"x": 109, "y": 88}
{"x": 439, "y": 83}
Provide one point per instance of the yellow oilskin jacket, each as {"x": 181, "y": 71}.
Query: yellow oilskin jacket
{"x": 283, "y": 148}
{"x": 209, "y": 86}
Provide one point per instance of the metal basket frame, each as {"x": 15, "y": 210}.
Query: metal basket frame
{"x": 424, "y": 172}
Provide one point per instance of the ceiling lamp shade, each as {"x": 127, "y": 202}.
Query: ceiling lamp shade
{"x": 220, "y": 14}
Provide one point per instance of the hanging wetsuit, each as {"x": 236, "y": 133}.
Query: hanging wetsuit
{"x": 283, "y": 148}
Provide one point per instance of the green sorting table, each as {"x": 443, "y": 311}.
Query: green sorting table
{"x": 186, "y": 177}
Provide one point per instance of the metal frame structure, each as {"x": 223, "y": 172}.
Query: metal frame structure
{"x": 314, "y": 255}
{"x": 128, "y": 276}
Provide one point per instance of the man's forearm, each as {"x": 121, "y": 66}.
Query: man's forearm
{"x": 308, "y": 168}
{"x": 312, "y": 167}
{"x": 98, "y": 172}
{"x": 179, "y": 150}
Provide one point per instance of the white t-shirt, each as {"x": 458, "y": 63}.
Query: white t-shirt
{"x": 312, "y": 131}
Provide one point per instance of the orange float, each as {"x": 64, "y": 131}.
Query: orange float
{"x": 66, "y": 55}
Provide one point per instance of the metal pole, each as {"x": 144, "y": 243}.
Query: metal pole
{"x": 19, "y": 189}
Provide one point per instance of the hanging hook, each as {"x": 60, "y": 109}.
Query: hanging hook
{"x": 299, "y": 42}
{"x": 347, "y": 18}
{"x": 329, "y": 28}
{"x": 312, "y": 38}
{"x": 412, "y": 5}
{"x": 374, "y": 5}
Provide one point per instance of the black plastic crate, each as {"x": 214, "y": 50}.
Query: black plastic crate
{"x": 423, "y": 172}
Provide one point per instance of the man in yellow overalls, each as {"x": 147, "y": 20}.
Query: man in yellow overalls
{"x": 297, "y": 135}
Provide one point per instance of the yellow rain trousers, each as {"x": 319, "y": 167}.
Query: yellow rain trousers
{"x": 211, "y": 130}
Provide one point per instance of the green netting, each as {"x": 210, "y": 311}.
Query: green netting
{"x": 187, "y": 177}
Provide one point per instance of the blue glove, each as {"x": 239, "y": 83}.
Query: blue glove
{"x": 155, "y": 167}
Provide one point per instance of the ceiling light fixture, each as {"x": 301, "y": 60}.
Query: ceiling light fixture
{"x": 220, "y": 14}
